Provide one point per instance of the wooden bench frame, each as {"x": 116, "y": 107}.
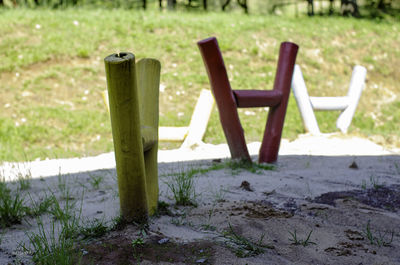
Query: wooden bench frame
{"x": 346, "y": 104}
{"x": 229, "y": 100}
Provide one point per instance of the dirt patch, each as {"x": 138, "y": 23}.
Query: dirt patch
{"x": 353, "y": 235}
{"x": 383, "y": 197}
{"x": 119, "y": 250}
{"x": 346, "y": 249}
{"x": 259, "y": 210}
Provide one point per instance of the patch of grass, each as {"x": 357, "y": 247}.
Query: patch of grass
{"x": 219, "y": 194}
{"x": 67, "y": 214}
{"x": 162, "y": 209}
{"x": 51, "y": 246}
{"x": 380, "y": 240}
{"x": 51, "y": 99}
{"x": 119, "y": 223}
{"x": 182, "y": 186}
{"x": 57, "y": 245}
{"x": 63, "y": 211}
{"x": 93, "y": 228}
{"x": 12, "y": 208}
{"x": 242, "y": 246}
{"x": 374, "y": 183}
{"x": 238, "y": 165}
{"x": 303, "y": 242}
{"x": 208, "y": 225}
{"x": 41, "y": 206}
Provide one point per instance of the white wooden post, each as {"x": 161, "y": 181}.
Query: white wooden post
{"x": 357, "y": 84}
{"x": 303, "y": 102}
{"x": 200, "y": 117}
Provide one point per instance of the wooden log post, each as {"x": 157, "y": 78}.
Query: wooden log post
{"x": 133, "y": 100}
{"x": 224, "y": 98}
{"x": 276, "y": 115}
{"x": 303, "y": 102}
{"x": 356, "y": 87}
{"x": 148, "y": 74}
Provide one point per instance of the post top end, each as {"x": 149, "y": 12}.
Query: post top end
{"x": 119, "y": 57}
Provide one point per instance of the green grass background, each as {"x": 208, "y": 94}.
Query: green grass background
{"x": 52, "y": 72}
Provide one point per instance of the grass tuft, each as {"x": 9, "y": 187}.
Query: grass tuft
{"x": 238, "y": 165}
{"x": 380, "y": 240}
{"x": 51, "y": 247}
{"x": 24, "y": 180}
{"x": 12, "y": 208}
{"x": 181, "y": 184}
{"x": 93, "y": 228}
{"x": 303, "y": 242}
{"x": 95, "y": 181}
{"x": 41, "y": 206}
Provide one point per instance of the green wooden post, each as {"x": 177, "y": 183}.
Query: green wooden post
{"x": 134, "y": 121}
{"x": 148, "y": 74}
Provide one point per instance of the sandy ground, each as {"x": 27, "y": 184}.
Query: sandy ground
{"x": 344, "y": 191}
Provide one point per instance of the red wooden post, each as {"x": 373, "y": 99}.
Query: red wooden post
{"x": 224, "y": 98}
{"x": 276, "y": 115}
{"x": 229, "y": 100}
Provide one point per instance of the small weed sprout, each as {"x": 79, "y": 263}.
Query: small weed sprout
{"x": 180, "y": 220}
{"x": 379, "y": 240}
{"x": 95, "y": 181}
{"x": 219, "y": 194}
{"x": 397, "y": 168}
{"x": 303, "y": 242}
{"x": 375, "y": 182}
{"x": 24, "y": 180}
{"x": 242, "y": 246}
{"x": 208, "y": 226}
{"x": 137, "y": 243}
{"x": 62, "y": 183}
{"x": 363, "y": 184}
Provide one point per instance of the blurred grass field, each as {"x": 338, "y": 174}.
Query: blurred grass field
{"x": 52, "y": 72}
